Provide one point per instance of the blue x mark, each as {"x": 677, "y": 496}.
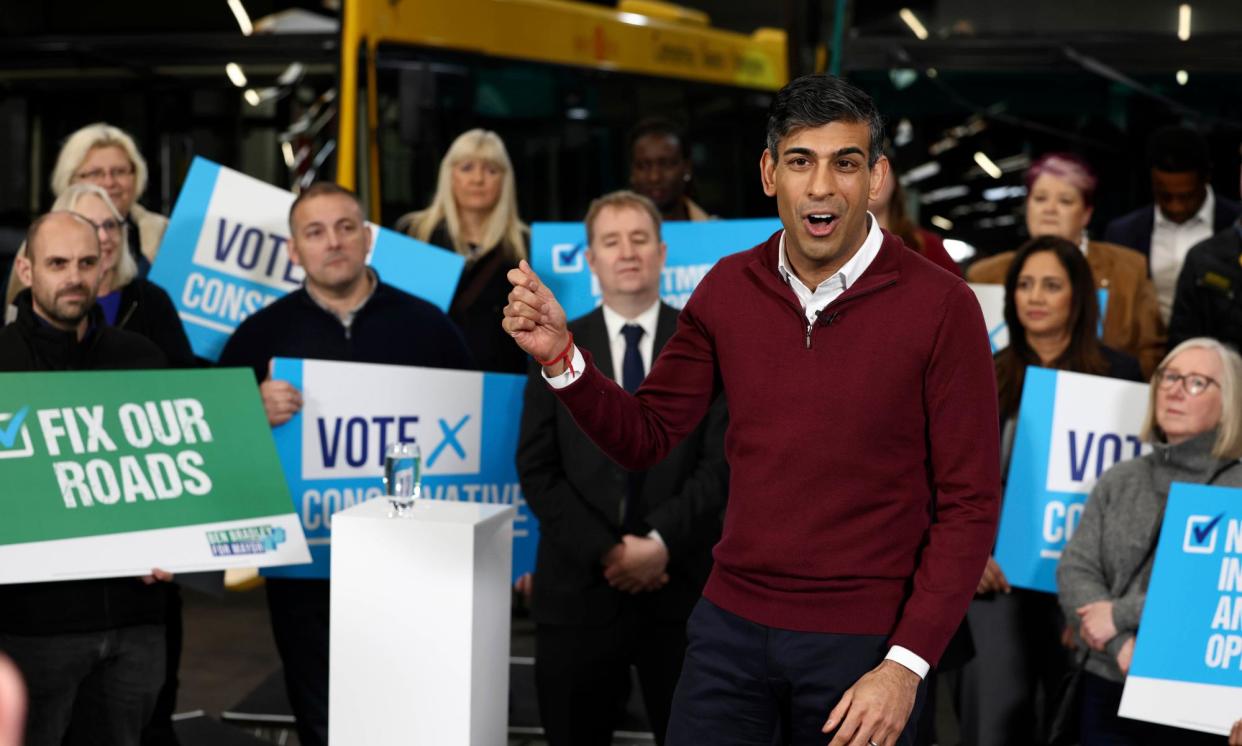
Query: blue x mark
{"x": 450, "y": 440}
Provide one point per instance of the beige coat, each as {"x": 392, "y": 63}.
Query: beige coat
{"x": 151, "y": 227}
{"x": 1132, "y": 322}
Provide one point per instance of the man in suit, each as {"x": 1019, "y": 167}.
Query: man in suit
{"x": 623, "y": 556}
{"x": 1186, "y": 210}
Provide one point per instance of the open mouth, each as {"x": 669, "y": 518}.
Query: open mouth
{"x": 820, "y": 224}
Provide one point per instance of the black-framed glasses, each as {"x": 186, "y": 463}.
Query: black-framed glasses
{"x": 109, "y": 226}
{"x": 1192, "y": 383}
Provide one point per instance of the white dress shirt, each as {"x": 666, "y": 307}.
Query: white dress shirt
{"x": 813, "y": 301}
{"x": 1170, "y": 242}
{"x": 614, "y": 321}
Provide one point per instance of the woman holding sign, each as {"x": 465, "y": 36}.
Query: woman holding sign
{"x": 1194, "y": 422}
{"x": 474, "y": 213}
{"x": 1052, "y": 313}
{"x": 1060, "y": 201}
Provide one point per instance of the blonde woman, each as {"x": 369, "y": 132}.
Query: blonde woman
{"x": 1194, "y": 421}
{"x": 106, "y": 156}
{"x": 475, "y": 214}
{"x": 128, "y": 301}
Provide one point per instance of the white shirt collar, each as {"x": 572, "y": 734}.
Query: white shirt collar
{"x": 852, "y": 270}
{"x": 1205, "y": 213}
{"x": 613, "y": 321}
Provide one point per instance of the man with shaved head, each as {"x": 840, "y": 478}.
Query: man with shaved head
{"x": 91, "y": 651}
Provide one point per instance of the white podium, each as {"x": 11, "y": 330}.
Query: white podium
{"x": 420, "y": 625}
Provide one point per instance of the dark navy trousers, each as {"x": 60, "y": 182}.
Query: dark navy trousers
{"x": 746, "y": 683}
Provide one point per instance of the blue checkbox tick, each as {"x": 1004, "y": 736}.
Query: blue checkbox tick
{"x": 9, "y": 433}
{"x": 1201, "y": 533}
{"x": 568, "y": 256}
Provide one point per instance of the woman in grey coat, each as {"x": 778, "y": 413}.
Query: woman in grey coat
{"x": 1194, "y": 422}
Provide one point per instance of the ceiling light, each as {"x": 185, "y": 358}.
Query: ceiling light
{"x": 235, "y": 74}
{"x": 943, "y": 193}
{"x": 913, "y": 22}
{"x": 943, "y": 145}
{"x": 252, "y": 97}
{"x": 918, "y": 173}
{"x": 1183, "y": 77}
{"x": 243, "y": 18}
{"x": 942, "y": 223}
{"x": 291, "y": 74}
{"x": 1183, "y": 22}
{"x": 286, "y": 149}
{"x": 996, "y": 194}
{"x": 985, "y": 163}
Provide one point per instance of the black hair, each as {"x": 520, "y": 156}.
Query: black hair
{"x": 819, "y": 99}
{"x": 659, "y": 126}
{"x": 1178, "y": 150}
{"x": 1083, "y": 353}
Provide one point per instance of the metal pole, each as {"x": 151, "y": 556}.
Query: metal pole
{"x": 838, "y": 37}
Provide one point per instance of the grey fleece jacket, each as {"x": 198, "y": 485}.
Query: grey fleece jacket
{"x": 1118, "y": 525}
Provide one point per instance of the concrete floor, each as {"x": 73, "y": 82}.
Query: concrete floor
{"x": 229, "y": 652}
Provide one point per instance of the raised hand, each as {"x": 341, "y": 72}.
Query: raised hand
{"x": 534, "y": 318}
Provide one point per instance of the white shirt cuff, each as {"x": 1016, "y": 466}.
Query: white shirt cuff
{"x": 571, "y": 373}
{"x": 909, "y": 659}
{"x": 653, "y": 534}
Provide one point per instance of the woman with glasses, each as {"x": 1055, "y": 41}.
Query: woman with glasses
{"x": 475, "y": 214}
{"x": 1052, "y": 312}
{"x": 106, "y": 156}
{"x": 1194, "y": 423}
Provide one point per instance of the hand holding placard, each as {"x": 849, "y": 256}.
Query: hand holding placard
{"x": 1097, "y": 624}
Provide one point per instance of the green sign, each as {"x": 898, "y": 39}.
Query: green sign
{"x": 173, "y": 469}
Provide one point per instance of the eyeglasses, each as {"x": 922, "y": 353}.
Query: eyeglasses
{"x": 1192, "y": 383}
{"x": 98, "y": 174}
{"x": 109, "y": 226}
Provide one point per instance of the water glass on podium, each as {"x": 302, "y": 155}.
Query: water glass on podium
{"x": 402, "y": 477}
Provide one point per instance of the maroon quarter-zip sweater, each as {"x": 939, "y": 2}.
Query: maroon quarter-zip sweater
{"x": 863, "y": 449}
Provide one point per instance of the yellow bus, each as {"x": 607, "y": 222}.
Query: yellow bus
{"x": 561, "y": 82}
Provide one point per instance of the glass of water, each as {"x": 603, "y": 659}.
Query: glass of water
{"x": 402, "y": 477}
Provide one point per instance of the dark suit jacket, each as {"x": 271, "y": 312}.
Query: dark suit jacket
{"x": 577, "y": 493}
{"x": 1134, "y": 229}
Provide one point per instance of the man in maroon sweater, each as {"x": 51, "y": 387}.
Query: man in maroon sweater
{"x": 862, "y": 444}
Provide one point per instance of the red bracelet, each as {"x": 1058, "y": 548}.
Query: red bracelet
{"x": 566, "y": 355}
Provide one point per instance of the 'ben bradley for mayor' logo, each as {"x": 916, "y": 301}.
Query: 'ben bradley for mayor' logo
{"x": 14, "y": 435}
{"x": 248, "y": 540}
